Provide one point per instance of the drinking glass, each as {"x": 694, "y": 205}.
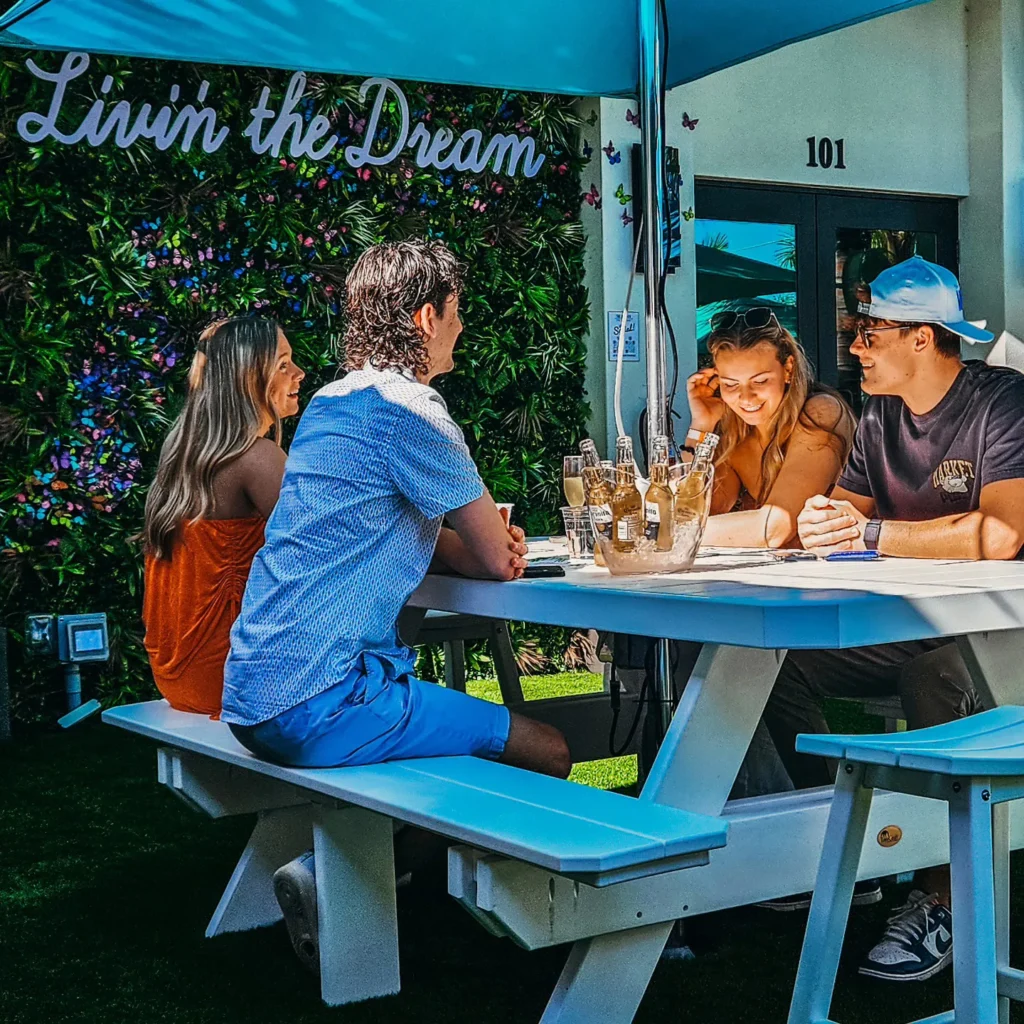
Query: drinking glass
{"x": 575, "y": 520}
{"x": 572, "y": 480}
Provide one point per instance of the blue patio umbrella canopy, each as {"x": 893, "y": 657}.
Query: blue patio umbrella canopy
{"x": 581, "y": 47}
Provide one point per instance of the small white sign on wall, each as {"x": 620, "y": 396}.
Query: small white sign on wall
{"x": 631, "y": 351}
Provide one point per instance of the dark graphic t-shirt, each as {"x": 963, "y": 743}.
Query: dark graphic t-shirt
{"x": 926, "y": 467}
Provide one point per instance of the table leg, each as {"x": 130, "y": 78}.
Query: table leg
{"x": 712, "y": 728}
{"x": 694, "y": 770}
{"x": 605, "y": 977}
{"x": 248, "y": 901}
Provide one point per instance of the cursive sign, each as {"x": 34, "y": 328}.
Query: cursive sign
{"x": 270, "y": 130}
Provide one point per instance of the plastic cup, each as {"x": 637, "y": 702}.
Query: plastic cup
{"x": 575, "y": 520}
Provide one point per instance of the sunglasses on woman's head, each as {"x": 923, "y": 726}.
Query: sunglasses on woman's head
{"x": 756, "y": 316}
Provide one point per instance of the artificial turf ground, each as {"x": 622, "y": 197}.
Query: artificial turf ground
{"x": 107, "y": 882}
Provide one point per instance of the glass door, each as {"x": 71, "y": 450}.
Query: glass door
{"x": 858, "y": 238}
{"x": 748, "y": 254}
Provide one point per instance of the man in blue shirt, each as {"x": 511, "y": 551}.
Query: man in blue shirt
{"x": 317, "y": 675}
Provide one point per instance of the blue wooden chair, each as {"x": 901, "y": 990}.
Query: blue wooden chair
{"x": 975, "y": 764}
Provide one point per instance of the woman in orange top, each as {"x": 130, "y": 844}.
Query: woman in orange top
{"x": 218, "y": 480}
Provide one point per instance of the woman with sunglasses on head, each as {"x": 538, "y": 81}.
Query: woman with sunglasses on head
{"x": 216, "y": 483}
{"x": 783, "y": 436}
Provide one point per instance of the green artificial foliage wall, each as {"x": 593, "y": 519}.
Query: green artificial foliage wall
{"x": 112, "y": 260}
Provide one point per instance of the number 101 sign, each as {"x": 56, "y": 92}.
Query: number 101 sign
{"x": 826, "y": 153}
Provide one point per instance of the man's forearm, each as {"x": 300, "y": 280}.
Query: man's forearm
{"x": 451, "y": 554}
{"x": 972, "y": 535}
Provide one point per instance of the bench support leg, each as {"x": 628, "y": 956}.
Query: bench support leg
{"x": 975, "y": 955}
{"x": 248, "y": 901}
{"x": 355, "y": 896}
{"x": 833, "y": 892}
{"x": 1001, "y": 873}
{"x": 606, "y": 977}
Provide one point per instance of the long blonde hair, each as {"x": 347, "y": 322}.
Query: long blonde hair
{"x": 225, "y": 411}
{"x": 792, "y": 410}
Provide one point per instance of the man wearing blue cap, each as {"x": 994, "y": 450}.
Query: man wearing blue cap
{"x": 936, "y": 471}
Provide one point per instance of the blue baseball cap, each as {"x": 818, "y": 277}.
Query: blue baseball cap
{"x": 919, "y": 292}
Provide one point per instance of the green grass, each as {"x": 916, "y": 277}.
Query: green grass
{"x": 107, "y": 883}
{"x": 610, "y": 773}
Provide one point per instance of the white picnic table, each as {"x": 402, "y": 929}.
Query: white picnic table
{"x": 748, "y": 610}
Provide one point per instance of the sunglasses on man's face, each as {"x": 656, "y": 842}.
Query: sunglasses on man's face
{"x": 866, "y": 334}
{"x": 756, "y": 317}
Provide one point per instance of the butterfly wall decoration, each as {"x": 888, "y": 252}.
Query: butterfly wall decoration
{"x": 593, "y": 197}
{"x": 632, "y": 118}
{"x": 623, "y": 198}
{"x": 626, "y": 219}
{"x": 588, "y": 150}
{"x": 688, "y": 123}
{"x": 614, "y": 156}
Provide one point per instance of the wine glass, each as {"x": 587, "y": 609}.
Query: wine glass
{"x": 572, "y": 480}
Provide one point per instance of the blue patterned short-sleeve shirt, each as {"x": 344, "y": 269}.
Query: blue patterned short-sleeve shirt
{"x": 376, "y": 462}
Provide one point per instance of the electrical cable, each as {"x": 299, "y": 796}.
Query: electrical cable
{"x": 622, "y": 330}
{"x": 641, "y": 699}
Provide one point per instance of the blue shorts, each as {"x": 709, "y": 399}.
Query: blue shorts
{"x": 404, "y": 718}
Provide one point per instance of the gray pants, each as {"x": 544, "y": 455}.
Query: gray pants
{"x": 929, "y": 676}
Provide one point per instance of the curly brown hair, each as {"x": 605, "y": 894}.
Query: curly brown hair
{"x": 387, "y": 285}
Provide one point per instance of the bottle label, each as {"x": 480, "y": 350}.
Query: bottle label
{"x": 652, "y": 516}
{"x": 627, "y": 528}
{"x": 601, "y": 517}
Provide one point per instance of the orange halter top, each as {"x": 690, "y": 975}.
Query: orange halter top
{"x": 191, "y": 601}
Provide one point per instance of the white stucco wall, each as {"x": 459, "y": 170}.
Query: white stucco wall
{"x": 894, "y": 88}
{"x": 992, "y": 217}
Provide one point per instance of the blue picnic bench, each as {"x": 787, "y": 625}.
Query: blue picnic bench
{"x": 580, "y": 835}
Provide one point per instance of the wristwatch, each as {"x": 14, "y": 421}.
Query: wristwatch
{"x": 872, "y": 529}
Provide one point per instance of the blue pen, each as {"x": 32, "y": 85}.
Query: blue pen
{"x": 852, "y": 556}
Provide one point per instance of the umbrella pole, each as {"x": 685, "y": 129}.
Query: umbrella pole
{"x": 652, "y": 137}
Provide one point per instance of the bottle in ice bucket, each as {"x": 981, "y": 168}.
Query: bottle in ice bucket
{"x": 692, "y": 494}
{"x": 598, "y": 489}
{"x": 658, "y": 518}
{"x": 627, "y": 505}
